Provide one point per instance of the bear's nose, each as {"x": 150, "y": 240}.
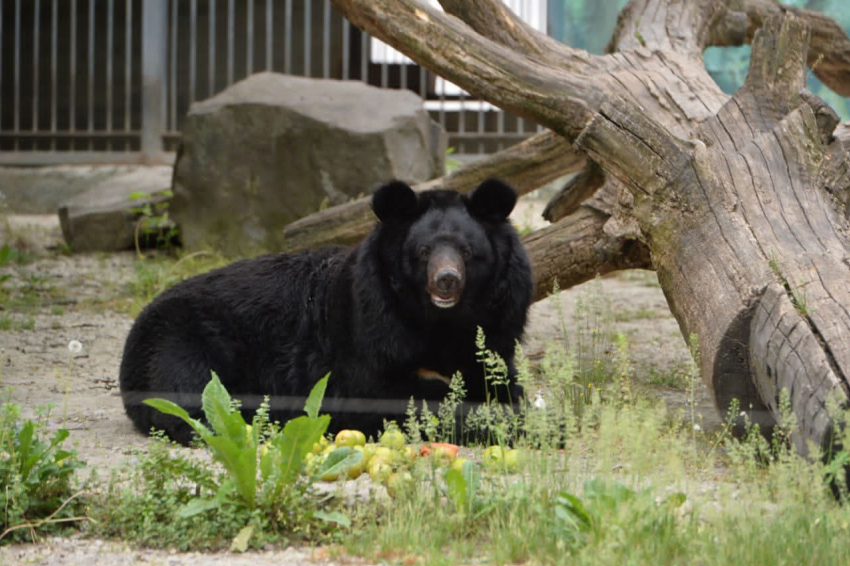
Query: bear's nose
{"x": 447, "y": 281}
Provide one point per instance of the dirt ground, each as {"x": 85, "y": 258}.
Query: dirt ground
{"x": 36, "y": 365}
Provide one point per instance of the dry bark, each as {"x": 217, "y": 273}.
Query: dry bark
{"x": 740, "y": 203}
{"x": 526, "y": 165}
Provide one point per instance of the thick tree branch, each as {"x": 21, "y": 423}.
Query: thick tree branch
{"x": 542, "y": 93}
{"x": 495, "y": 21}
{"x": 577, "y": 249}
{"x": 829, "y": 46}
{"x": 683, "y": 27}
{"x": 527, "y": 165}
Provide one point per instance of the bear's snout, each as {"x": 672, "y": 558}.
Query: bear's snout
{"x": 446, "y": 277}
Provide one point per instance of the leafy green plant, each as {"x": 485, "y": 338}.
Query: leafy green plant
{"x": 5, "y": 257}
{"x": 262, "y": 462}
{"x": 37, "y": 494}
{"x": 153, "y": 222}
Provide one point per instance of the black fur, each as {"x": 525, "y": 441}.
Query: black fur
{"x": 276, "y": 324}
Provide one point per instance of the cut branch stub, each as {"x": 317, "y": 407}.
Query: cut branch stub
{"x": 576, "y": 191}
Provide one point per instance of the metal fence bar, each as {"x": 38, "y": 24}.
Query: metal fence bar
{"x": 269, "y": 35}
{"x": 346, "y": 37}
{"x": 364, "y": 50}
{"x": 287, "y": 38}
{"x": 154, "y": 20}
{"x": 172, "y": 87}
{"x": 308, "y": 20}
{"x": 1, "y": 67}
{"x": 36, "y": 18}
{"x": 211, "y": 62}
{"x": 326, "y": 40}
{"x": 249, "y": 41}
{"x": 128, "y": 69}
{"x": 110, "y": 37}
{"x": 16, "y": 92}
{"x": 231, "y": 36}
{"x": 193, "y": 48}
{"x": 54, "y": 65}
{"x": 90, "y": 77}
{"x": 73, "y": 75}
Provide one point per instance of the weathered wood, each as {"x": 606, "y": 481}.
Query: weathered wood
{"x": 576, "y": 191}
{"x": 829, "y": 47}
{"x": 733, "y": 213}
{"x": 577, "y": 249}
{"x": 527, "y": 165}
{"x": 729, "y": 197}
{"x": 786, "y": 353}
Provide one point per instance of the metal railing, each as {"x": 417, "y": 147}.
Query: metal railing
{"x": 112, "y": 80}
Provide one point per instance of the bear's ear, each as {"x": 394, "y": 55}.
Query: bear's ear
{"x": 492, "y": 200}
{"x": 394, "y": 201}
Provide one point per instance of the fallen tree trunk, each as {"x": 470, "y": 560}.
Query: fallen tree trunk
{"x": 739, "y": 203}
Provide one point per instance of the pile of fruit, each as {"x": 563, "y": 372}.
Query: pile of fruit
{"x": 389, "y": 461}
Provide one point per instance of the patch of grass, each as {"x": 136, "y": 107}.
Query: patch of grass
{"x": 7, "y": 322}
{"x": 644, "y": 277}
{"x": 674, "y": 378}
{"x": 641, "y": 313}
{"x": 38, "y": 495}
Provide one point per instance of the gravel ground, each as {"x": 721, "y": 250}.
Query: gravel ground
{"x": 36, "y": 364}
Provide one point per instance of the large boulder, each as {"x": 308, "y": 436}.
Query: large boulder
{"x": 274, "y": 148}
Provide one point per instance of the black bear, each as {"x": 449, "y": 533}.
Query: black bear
{"x": 390, "y": 319}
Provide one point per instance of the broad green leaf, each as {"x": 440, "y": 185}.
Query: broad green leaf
{"x": 240, "y": 542}
{"x": 25, "y": 439}
{"x": 5, "y": 254}
{"x": 314, "y": 400}
{"x": 241, "y": 463}
{"x": 268, "y": 462}
{"x": 218, "y": 409}
{"x": 295, "y": 440}
{"x": 333, "y": 517}
{"x": 571, "y": 508}
{"x": 197, "y": 506}
{"x": 457, "y": 489}
{"x": 339, "y": 461}
{"x": 59, "y": 436}
{"x": 170, "y": 408}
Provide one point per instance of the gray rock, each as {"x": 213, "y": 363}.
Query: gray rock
{"x": 101, "y": 218}
{"x": 42, "y": 190}
{"x": 274, "y": 148}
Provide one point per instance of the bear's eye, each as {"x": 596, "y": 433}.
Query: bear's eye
{"x": 424, "y": 252}
{"x": 465, "y": 253}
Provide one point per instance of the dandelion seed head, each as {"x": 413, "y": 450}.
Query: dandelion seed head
{"x": 75, "y": 346}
